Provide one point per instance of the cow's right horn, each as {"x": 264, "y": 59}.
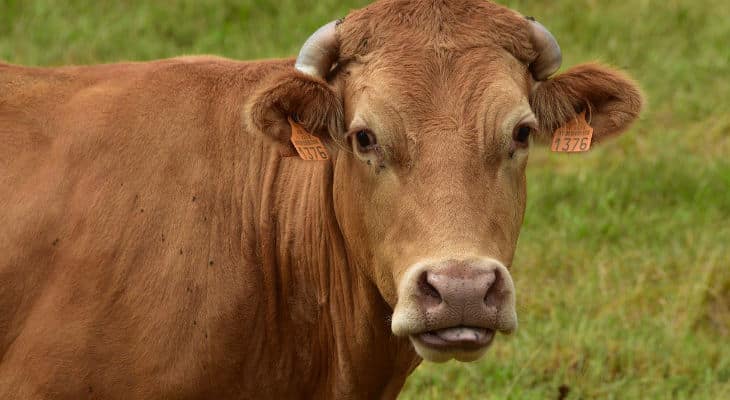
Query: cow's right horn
{"x": 320, "y": 51}
{"x": 549, "y": 57}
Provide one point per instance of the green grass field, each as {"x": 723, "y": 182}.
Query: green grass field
{"x": 623, "y": 265}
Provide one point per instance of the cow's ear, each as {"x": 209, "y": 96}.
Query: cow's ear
{"x": 290, "y": 93}
{"x": 611, "y": 100}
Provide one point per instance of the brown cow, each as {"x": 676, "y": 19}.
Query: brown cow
{"x": 156, "y": 242}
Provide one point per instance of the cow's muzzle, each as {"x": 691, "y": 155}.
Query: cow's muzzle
{"x": 452, "y": 309}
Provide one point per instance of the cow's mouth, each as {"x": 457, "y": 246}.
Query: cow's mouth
{"x": 456, "y": 339}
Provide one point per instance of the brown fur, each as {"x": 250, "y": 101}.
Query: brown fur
{"x": 154, "y": 243}
{"x": 611, "y": 100}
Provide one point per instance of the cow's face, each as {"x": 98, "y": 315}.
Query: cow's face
{"x": 430, "y": 191}
{"x": 433, "y": 108}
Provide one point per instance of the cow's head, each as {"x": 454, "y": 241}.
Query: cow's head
{"x": 429, "y": 109}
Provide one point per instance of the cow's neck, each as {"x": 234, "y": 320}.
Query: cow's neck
{"x": 316, "y": 299}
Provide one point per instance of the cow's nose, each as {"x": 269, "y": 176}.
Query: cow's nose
{"x": 457, "y": 285}
{"x": 469, "y": 292}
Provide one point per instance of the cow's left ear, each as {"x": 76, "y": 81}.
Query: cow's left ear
{"x": 612, "y": 100}
{"x": 290, "y": 93}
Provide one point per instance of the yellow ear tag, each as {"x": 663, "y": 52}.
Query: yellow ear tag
{"x": 308, "y": 146}
{"x": 573, "y": 137}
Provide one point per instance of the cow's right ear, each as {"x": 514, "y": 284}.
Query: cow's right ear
{"x": 290, "y": 93}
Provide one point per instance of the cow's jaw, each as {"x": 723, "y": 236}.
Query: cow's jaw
{"x": 454, "y": 308}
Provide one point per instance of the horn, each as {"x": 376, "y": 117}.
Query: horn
{"x": 320, "y": 51}
{"x": 549, "y": 56}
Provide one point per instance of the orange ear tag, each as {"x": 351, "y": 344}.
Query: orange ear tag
{"x": 573, "y": 137}
{"x": 308, "y": 146}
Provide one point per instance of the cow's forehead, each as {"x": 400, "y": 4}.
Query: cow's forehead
{"x": 480, "y": 87}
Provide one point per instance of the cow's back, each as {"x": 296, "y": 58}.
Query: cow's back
{"x": 113, "y": 183}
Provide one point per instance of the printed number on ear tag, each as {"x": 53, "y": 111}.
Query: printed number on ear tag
{"x": 308, "y": 146}
{"x": 573, "y": 137}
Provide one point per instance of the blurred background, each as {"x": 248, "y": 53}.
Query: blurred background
{"x": 623, "y": 264}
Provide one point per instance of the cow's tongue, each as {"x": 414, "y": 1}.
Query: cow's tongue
{"x": 462, "y": 337}
{"x": 463, "y": 334}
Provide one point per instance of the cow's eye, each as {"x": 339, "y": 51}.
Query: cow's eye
{"x": 365, "y": 140}
{"x": 521, "y": 134}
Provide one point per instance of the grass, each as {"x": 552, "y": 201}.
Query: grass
{"x": 623, "y": 265}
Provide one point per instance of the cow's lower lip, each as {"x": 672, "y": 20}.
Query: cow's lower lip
{"x": 462, "y": 338}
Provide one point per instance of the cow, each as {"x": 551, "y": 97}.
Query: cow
{"x": 161, "y": 237}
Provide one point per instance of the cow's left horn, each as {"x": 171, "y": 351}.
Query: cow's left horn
{"x": 320, "y": 51}
{"x": 549, "y": 57}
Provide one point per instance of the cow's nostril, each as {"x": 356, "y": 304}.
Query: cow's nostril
{"x": 426, "y": 288}
{"x": 493, "y": 289}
